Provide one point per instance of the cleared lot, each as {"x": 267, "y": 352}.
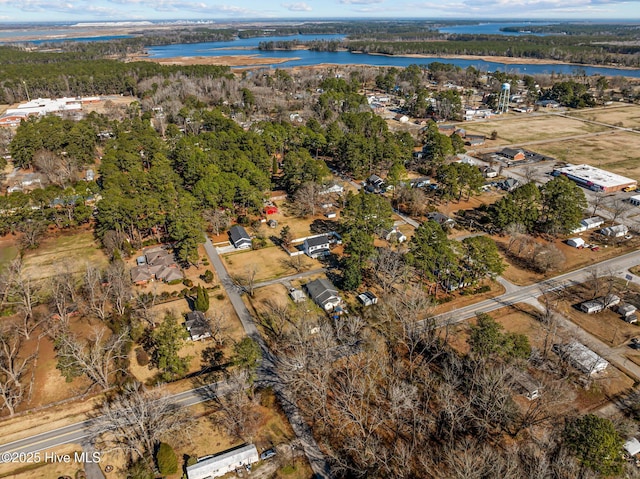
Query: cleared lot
{"x": 523, "y": 129}
{"x": 624, "y": 115}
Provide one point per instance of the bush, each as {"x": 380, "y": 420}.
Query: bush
{"x": 187, "y": 282}
{"x": 220, "y": 296}
{"x": 207, "y": 277}
{"x": 142, "y": 357}
{"x": 191, "y": 460}
{"x": 175, "y": 281}
{"x": 166, "y": 459}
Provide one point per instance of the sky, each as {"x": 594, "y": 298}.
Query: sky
{"x": 22, "y": 11}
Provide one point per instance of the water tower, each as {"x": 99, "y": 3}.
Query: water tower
{"x": 503, "y": 99}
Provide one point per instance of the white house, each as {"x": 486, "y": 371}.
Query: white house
{"x": 589, "y": 223}
{"x": 297, "y": 296}
{"x": 635, "y": 200}
{"x": 616, "y": 231}
{"x": 316, "y": 246}
{"x": 576, "y": 242}
{"x": 223, "y": 463}
{"x": 394, "y": 235}
{"x": 581, "y": 357}
{"x": 368, "y": 298}
{"x": 334, "y": 188}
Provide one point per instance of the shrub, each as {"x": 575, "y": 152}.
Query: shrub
{"x": 166, "y": 459}
{"x": 187, "y": 282}
{"x": 219, "y": 296}
{"x": 207, "y": 277}
{"x": 142, "y": 357}
{"x": 175, "y": 281}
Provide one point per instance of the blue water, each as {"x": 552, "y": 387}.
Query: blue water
{"x": 249, "y": 46}
{"x": 491, "y": 29}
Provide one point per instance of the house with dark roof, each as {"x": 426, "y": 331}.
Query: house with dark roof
{"x": 442, "y": 220}
{"x": 323, "y": 293}
{"x": 239, "y": 237}
{"x": 197, "y": 325}
{"x": 316, "y": 246}
{"x": 157, "y": 263}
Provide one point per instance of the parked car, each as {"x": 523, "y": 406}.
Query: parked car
{"x": 268, "y": 454}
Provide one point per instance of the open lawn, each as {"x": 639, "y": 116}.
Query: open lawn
{"x": 269, "y": 263}
{"x": 616, "y": 152}
{"x": 8, "y": 252}
{"x": 73, "y": 251}
{"x": 523, "y": 129}
{"x": 623, "y": 114}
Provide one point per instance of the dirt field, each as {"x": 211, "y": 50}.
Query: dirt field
{"x": 622, "y": 114}
{"x": 522, "y": 129}
{"x": 616, "y": 152}
{"x": 269, "y": 263}
{"x": 74, "y": 251}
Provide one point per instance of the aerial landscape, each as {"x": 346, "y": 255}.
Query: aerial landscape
{"x": 356, "y": 239}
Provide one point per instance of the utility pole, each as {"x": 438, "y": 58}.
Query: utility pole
{"x": 25, "y": 89}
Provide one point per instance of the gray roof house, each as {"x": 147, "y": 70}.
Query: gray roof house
{"x": 197, "y": 325}
{"x": 616, "y": 231}
{"x": 239, "y": 237}
{"x": 323, "y": 293}
{"x": 581, "y": 357}
{"x": 442, "y": 220}
{"x": 223, "y": 463}
{"x": 316, "y": 246}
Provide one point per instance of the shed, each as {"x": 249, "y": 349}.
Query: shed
{"x": 632, "y": 446}
{"x": 527, "y": 385}
{"x": 330, "y": 214}
{"x": 576, "y": 242}
{"x": 297, "y": 296}
{"x": 270, "y": 210}
{"x": 635, "y": 201}
{"x": 223, "y": 463}
{"x": 368, "y": 298}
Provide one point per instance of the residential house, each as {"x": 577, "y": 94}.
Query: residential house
{"x": 628, "y": 312}
{"x": 616, "y": 231}
{"x": 420, "y": 182}
{"x": 228, "y": 461}
{"x": 588, "y": 223}
{"x": 394, "y": 235}
{"x": 197, "y": 325}
{"x": 509, "y": 184}
{"x": 581, "y": 357}
{"x": 489, "y": 172}
{"x": 548, "y": 104}
{"x": 316, "y": 246}
{"x": 157, "y": 263}
{"x": 599, "y": 304}
{"x": 332, "y": 188}
{"x": 239, "y": 237}
{"x": 475, "y": 140}
{"x": 442, "y": 220}
{"x": 375, "y": 181}
{"x": 368, "y": 298}
{"x": 323, "y": 293}
{"x": 632, "y": 446}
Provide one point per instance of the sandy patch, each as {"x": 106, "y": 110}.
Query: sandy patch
{"x": 230, "y": 60}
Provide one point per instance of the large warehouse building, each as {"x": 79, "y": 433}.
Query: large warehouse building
{"x": 595, "y": 178}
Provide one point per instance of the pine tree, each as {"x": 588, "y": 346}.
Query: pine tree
{"x": 202, "y": 299}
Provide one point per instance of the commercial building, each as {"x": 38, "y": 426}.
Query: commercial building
{"x": 595, "y": 178}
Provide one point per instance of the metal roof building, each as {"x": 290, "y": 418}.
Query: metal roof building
{"x": 223, "y": 463}
{"x": 595, "y": 178}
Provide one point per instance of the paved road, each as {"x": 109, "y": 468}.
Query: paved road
{"x": 268, "y": 373}
{"x": 528, "y": 294}
{"x": 78, "y": 432}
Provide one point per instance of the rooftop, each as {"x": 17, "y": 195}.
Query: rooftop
{"x": 595, "y": 175}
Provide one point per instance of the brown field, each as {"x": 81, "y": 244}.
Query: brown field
{"x": 521, "y": 129}
{"x": 269, "y": 263}
{"x": 616, "y": 152}
{"x": 574, "y": 259}
{"x": 623, "y": 114}
{"x": 73, "y": 251}
{"x": 231, "y": 60}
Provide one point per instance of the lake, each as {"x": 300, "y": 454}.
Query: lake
{"x": 295, "y": 58}
{"x": 491, "y": 29}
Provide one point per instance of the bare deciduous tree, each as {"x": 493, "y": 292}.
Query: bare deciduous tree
{"x": 96, "y": 292}
{"x": 99, "y": 358}
{"x": 22, "y": 292}
{"x": 618, "y": 208}
{"x": 14, "y": 367}
{"x": 237, "y": 412}
{"x": 136, "y": 421}
{"x": 307, "y": 199}
{"x": 217, "y": 220}
{"x": 120, "y": 286}
{"x": 389, "y": 267}
{"x": 59, "y": 169}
